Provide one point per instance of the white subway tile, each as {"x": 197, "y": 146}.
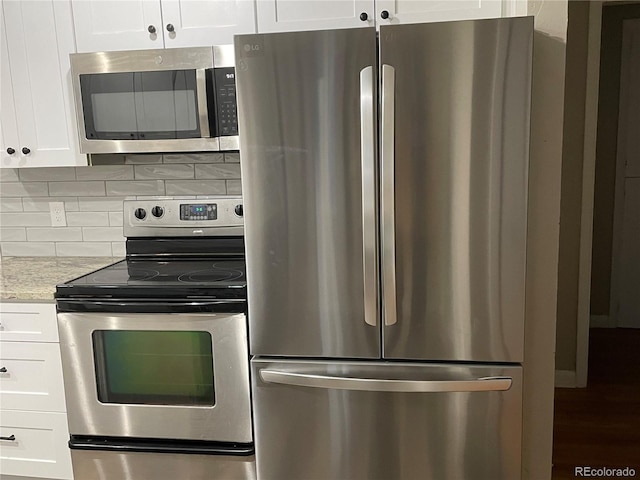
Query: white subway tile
{"x": 105, "y": 172}
{"x": 232, "y": 157}
{"x": 28, "y": 249}
{"x": 27, "y": 219}
{"x": 115, "y": 219}
{"x": 41, "y": 204}
{"x": 118, "y": 249}
{"x": 13, "y": 234}
{"x": 50, "y": 174}
{"x": 102, "y": 234}
{"x": 196, "y": 187}
{"x": 76, "y": 189}
{"x": 149, "y": 172}
{"x": 142, "y": 187}
{"x": 55, "y": 234}
{"x": 88, "y": 219}
{"x": 100, "y": 204}
{"x": 83, "y": 249}
{"x": 137, "y": 159}
{"x": 219, "y": 171}
{"x": 11, "y": 205}
{"x": 193, "y": 158}
{"x": 234, "y": 187}
{"x": 9, "y": 175}
{"x": 31, "y": 189}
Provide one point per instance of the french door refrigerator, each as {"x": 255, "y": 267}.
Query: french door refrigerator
{"x": 385, "y": 193}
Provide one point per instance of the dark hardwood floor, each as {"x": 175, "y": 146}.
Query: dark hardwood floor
{"x": 599, "y": 426}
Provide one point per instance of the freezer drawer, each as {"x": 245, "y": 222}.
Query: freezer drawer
{"x": 378, "y": 420}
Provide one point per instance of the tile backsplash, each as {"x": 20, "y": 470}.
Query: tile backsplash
{"x": 93, "y": 198}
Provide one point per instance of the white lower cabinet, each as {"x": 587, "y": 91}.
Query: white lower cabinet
{"x": 33, "y": 422}
{"x": 35, "y": 444}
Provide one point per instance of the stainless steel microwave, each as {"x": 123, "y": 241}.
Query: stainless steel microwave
{"x": 169, "y": 100}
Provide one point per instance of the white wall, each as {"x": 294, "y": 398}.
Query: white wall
{"x": 542, "y": 250}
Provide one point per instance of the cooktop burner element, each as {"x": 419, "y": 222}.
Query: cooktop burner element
{"x": 216, "y": 273}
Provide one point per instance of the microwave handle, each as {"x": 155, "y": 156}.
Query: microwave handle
{"x": 201, "y": 92}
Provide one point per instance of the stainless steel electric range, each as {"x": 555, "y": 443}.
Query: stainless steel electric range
{"x": 154, "y": 349}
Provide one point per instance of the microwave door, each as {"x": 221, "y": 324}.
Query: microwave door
{"x": 201, "y": 93}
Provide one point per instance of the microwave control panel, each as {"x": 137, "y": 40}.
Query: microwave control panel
{"x": 225, "y": 81}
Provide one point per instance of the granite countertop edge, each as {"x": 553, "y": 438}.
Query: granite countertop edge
{"x": 34, "y": 279}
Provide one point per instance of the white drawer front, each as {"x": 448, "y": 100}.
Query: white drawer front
{"x": 28, "y": 322}
{"x": 31, "y": 377}
{"x": 39, "y": 448}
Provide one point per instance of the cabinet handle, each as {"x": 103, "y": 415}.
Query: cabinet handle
{"x": 11, "y": 438}
{"x": 26, "y": 150}
{"x": 151, "y": 29}
{"x": 364, "y": 17}
{"x": 3, "y": 370}
{"x": 384, "y": 14}
{"x": 170, "y": 27}
{"x": 10, "y": 151}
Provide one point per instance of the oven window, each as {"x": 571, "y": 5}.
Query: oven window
{"x": 154, "y": 367}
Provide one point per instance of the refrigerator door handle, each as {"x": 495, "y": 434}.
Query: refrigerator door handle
{"x": 368, "y": 158}
{"x": 388, "y": 195}
{"x": 482, "y": 384}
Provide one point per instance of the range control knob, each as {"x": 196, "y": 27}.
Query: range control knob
{"x": 157, "y": 211}
{"x": 239, "y": 210}
{"x": 140, "y": 213}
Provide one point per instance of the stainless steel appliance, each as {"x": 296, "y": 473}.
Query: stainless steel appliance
{"x": 386, "y": 193}
{"x": 154, "y": 349}
{"x": 168, "y": 100}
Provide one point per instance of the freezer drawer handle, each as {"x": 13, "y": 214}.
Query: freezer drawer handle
{"x": 482, "y": 384}
{"x": 368, "y": 157}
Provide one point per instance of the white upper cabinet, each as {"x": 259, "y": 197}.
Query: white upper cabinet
{"x": 117, "y": 25}
{"x": 198, "y": 23}
{"x": 108, "y": 25}
{"x": 38, "y": 126}
{"x": 295, "y": 15}
{"x": 391, "y": 12}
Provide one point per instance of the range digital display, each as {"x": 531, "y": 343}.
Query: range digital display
{"x": 200, "y": 211}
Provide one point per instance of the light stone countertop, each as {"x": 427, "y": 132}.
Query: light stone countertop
{"x": 31, "y": 279}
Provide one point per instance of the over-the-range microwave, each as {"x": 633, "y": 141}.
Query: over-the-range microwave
{"x": 169, "y": 100}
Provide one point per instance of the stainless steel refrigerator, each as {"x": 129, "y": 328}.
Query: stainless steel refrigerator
{"x": 385, "y": 192}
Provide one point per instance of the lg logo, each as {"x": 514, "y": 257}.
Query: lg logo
{"x": 252, "y": 47}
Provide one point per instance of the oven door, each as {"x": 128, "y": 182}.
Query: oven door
{"x": 157, "y": 376}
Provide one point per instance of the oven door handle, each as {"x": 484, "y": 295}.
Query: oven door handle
{"x": 203, "y": 108}
{"x": 152, "y": 306}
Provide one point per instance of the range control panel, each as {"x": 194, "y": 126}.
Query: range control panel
{"x": 198, "y": 211}
{"x": 187, "y": 216}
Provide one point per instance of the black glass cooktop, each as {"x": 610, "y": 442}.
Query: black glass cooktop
{"x": 152, "y": 278}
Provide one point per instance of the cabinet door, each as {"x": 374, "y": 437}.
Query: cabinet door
{"x": 289, "y": 16}
{"x": 420, "y": 11}
{"x": 117, "y": 25}
{"x": 8, "y": 126}
{"x": 28, "y": 322}
{"x": 214, "y": 22}
{"x": 39, "y": 37}
{"x": 39, "y": 446}
{"x": 32, "y": 377}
